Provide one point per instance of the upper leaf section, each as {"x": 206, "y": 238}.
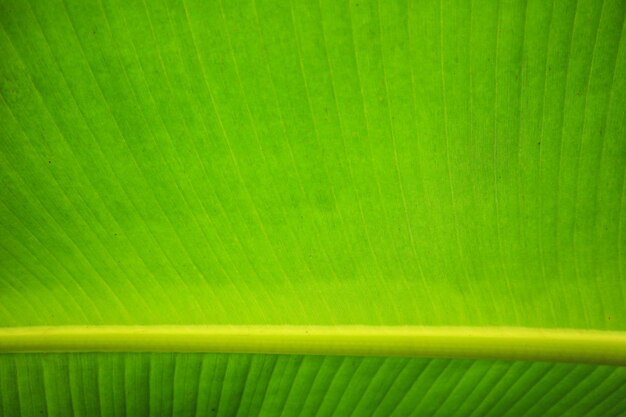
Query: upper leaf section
{"x": 305, "y": 162}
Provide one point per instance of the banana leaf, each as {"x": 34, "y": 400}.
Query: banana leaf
{"x": 312, "y": 208}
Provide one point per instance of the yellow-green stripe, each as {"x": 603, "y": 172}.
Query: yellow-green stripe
{"x": 562, "y": 345}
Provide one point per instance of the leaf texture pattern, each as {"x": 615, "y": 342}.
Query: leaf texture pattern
{"x": 450, "y": 163}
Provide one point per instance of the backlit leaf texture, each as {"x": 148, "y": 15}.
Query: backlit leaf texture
{"x": 161, "y": 384}
{"x": 437, "y": 164}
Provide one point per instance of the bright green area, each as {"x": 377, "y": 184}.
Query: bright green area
{"x": 93, "y": 385}
{"x": 304, "y": 162}
{"x": 311, "y": 162}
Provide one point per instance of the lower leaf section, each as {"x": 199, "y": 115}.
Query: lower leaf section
{"x": 212, "y": 384}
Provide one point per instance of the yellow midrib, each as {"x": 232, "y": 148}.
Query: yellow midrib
{"x": 567, "y": 345}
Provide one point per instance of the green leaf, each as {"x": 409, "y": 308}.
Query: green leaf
{"x": 366, "y": 175}
{"x": 161, "y": 384}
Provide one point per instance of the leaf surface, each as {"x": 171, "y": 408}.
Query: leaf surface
{"x": 456, "y": 164}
